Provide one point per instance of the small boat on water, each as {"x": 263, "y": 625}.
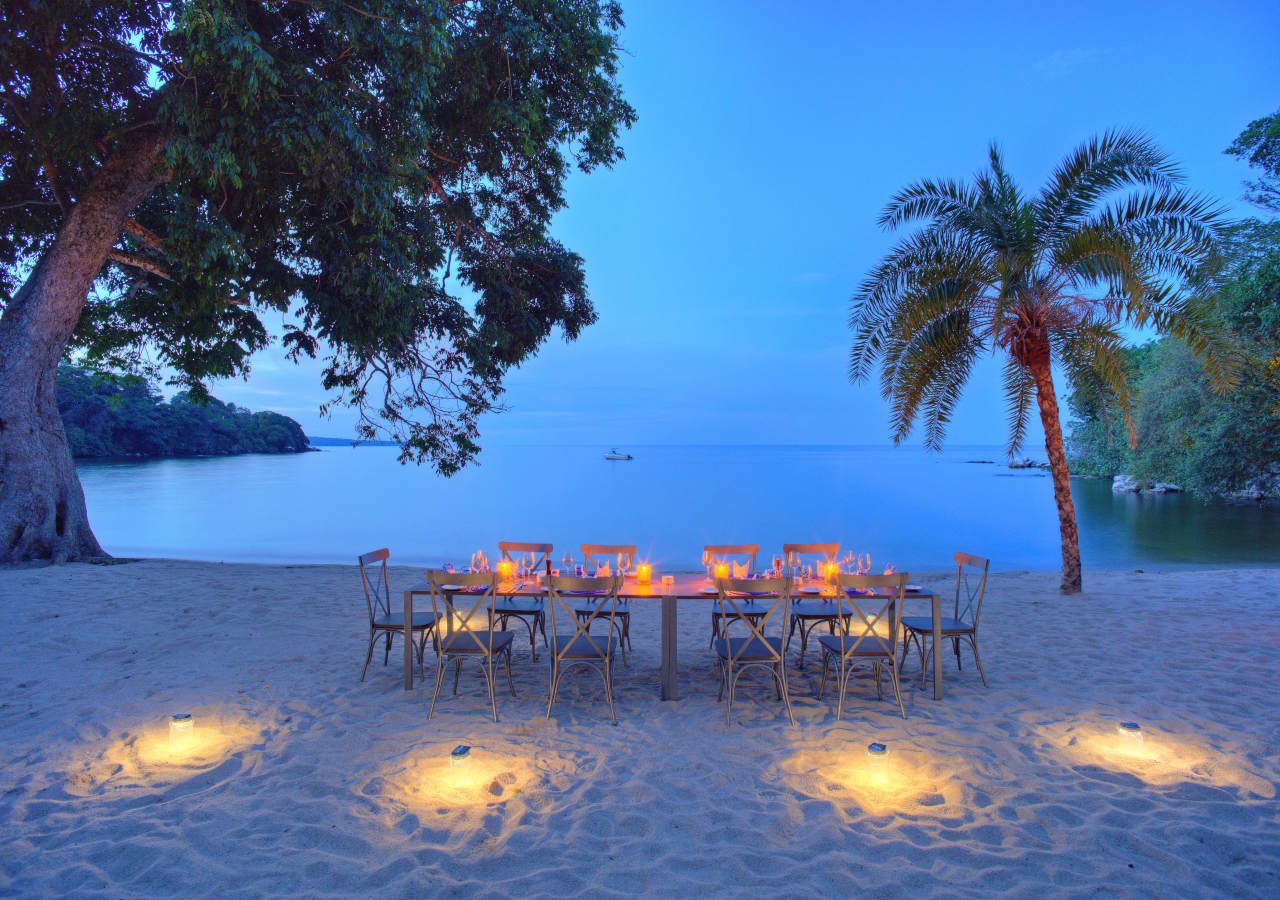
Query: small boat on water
{"x": 614, "y": 454}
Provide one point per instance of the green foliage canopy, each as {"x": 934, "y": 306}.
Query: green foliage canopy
{"x": 1259, "y": 145}
{"x": 1209, "y": 442}
{"x": 379, "y": 176}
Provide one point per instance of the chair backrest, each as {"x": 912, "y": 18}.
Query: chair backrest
{"x": 970, "y": 569}
{"x": 871, "y": 619}
{"x": 462, "y": 611}
{"x": 376, "y": 582}
{"x": 566, "y": 593}
{"x": 739, "y": 597}
{"x": 623, "y": 556}
{"x": 795, "y": 554}
{"x": 540, "y": 552}
{"x": 714, "y": 553}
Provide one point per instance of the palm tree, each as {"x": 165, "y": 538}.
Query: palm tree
{"x": 1110, "y": 241}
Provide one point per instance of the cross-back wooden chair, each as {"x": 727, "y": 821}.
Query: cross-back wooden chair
{"x": 808, "y": 613}
{"x": 582, "y": 648}
{"x": 868, "y": 634}
{"x": 376, "y": 581}
{"x": 971, "y": 585}
{"x": 619, "y": 556}
{"x": 463, "y": 604}
{"x": 732, "y": 554}
{"x": 529, "y": 610}
{"x": 756, "y": 649}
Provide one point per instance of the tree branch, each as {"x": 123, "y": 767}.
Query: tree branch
{"x": 139, "y": 262}
{"x": 134, "y": 228}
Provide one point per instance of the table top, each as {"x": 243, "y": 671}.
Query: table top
{"x": 694, "y": 586}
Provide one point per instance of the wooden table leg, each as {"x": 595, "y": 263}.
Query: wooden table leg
{"x": 937, "y": 647}
{"x": 668, "y": 673}
{"x": 408, "y": 640}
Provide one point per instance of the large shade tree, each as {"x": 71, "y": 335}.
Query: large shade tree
{"x": 1042, "y": 280}
{"x": 379, "y": 175}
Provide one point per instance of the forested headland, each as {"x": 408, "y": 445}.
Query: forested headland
{"x": 1213, "y": 444}
{"x": 128, "y": 418}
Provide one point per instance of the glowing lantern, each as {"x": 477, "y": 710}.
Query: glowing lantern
{"x": 459, "y": 755}
{"x": 506, "y": 570}
{"x": 830, "y": 572}
{"x": 644, "y": 573}
{"x": 181, "y": 729}
{"x": 877, "y": 764}
{"x": 1130, "y": 734}
{"x": 721, "y": 571}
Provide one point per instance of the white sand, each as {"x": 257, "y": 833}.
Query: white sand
{"x": 310, "y": 782}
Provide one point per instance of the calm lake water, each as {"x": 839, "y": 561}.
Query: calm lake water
{"x": 903, "y": 506}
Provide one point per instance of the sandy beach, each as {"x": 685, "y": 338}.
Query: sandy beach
{"x": 303, "y": 780}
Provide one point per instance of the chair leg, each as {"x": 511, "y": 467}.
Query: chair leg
{"x": 532, "y": 625}
{"x": 387, "y": 655}
{"x": 804, "y": 642}
{"x": 977, "y": 659}
{"x": 728, "y": 707}
{"x": 368, "y": 657}
{"x": 435, "y": 694}
{"x": 924, "y": 655}
{"x": 489, "y": 678}
{"x": 955, "y": 648}
{"x": 720, "y": 669}
{"x": 555, "y": 684}
{"x": 826, "y": 666}
{"x": 457, "y": 673}
{"x": 878, "y": 669}
{"x": 607, "y": 672}
{"x": 841, "y": 687}
{"x": 897, "y": 692}
{"x": 781, "y": 675}
{"x": 510, "y": 683}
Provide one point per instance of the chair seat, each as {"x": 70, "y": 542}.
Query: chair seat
{"x": 396, "y": 620}
{"x": 925, "y": 623}
{"x": 476, "y": 641}
{"x": 568, "y": 646}
{"x": 528, "y": 605}
{"x": 817, "y": 609}
{"x": 849, "y": 645}
{"x": 588, "y": 607}
{"x": 745, "y": 649}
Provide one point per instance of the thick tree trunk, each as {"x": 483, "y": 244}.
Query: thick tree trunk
{"x": 42, "y": 511}
{"x": 1047, "y": 400}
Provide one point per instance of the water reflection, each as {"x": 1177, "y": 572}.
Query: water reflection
{"x": 902, "y": 506}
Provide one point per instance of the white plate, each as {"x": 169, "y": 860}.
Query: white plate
{"x": 811, "y": 590}
{"x": 710, "y": 591}
{"x": 914, "y": 587}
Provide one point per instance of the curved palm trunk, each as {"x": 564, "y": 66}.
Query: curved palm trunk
{"x": 1047, "y": 400}
{"x": 42, "y": 510}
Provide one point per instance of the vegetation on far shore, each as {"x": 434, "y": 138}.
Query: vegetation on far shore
{"x": 126, "y": 417}
{"x": 1207, "y": 442}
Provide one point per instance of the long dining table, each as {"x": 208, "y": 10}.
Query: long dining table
{"x": 687, "y": 588}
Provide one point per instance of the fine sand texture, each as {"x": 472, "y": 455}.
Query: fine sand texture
{"x": 300, "y": 779}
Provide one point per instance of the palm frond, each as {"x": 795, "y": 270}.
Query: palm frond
{"x": 1019, "y": 391}
{"x": 928, "y": 199}
{"x": 1106, "y": 163}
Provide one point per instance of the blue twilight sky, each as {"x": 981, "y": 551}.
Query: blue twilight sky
{"x": 722, "y": 252}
